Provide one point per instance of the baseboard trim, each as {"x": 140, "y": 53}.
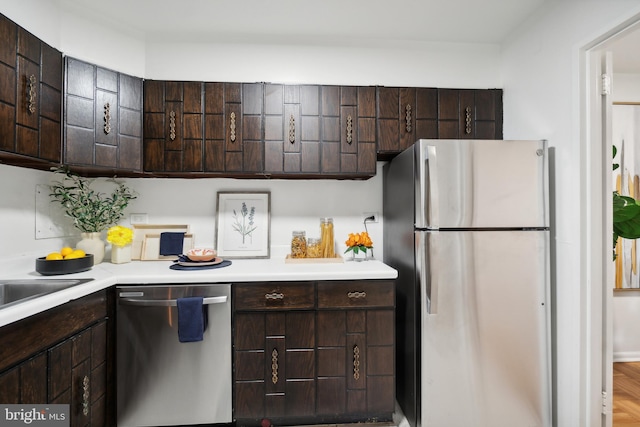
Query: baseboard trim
{"x": 626, "y": 356}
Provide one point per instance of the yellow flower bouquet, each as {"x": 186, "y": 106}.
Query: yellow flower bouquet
{"x": 358, "y": 242}
{"x": 119, "y": 235}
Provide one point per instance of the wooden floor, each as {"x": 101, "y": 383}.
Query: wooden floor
{"x": 626, "y": 394}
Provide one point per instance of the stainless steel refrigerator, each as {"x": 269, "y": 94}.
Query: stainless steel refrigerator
{"x": 466, "y": 226}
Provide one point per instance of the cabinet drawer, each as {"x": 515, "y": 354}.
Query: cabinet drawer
{"x": 371, "y": 293}
{"x": 273, "y": 296}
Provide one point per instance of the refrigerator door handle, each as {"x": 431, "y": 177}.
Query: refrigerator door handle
{"x": 429, "y": 190}
{"x": 428, "y": 286}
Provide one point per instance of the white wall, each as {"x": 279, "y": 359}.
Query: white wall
{"x": 541, "y": 78}
{"x": 625, "y": 87}
{"x": 295, "y": 205}
{"x": 407, "y": 64}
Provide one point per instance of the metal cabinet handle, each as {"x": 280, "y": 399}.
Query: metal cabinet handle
{"x": 85, "y": 395}
{"x": 107, "y": 118}
{"x": 356, "y": 295}
{"x": 172, "y": 125}
{"x": 232, "y": 127}
{"x": 274, "y": 366}
{"x": 292, "y": 129}
{"x": 407, "y": 116}
{"x": 31, "y": 94}
{"x": 168, "y": 302}
{"x": 467, "y": 120}
{"x": 356, "y": 362}
{"x": 349, "y": 129}
{"x": 274, "y": 296}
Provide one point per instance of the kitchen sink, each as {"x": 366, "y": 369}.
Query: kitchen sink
{"x": 15, "y": 291}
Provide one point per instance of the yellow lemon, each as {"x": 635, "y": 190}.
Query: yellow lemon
{"x": 54, "y": 256}
{"x": 66, "y": 251}
{"x": 77, "y": 253}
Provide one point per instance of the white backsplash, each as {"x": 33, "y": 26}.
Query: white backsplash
{"x": 295, "y": 205}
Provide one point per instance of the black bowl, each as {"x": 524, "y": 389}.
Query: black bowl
{"x": 63, "y": 266}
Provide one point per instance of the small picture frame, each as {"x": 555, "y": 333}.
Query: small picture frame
{"x": 243, "y": 224}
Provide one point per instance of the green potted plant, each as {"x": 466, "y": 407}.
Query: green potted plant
{"x": 92, "y": 211}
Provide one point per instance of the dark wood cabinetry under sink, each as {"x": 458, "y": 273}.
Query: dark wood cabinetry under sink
{"x": 64, "y": 355}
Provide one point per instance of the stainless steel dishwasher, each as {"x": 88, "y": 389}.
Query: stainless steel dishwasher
{"x": 161, "y": 381}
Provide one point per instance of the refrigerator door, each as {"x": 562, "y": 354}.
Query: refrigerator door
{"x": 485, "y": 358}
{"x": 480, "y": 184}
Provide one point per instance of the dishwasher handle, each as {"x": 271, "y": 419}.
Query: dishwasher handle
{"x": 168, "y": 302}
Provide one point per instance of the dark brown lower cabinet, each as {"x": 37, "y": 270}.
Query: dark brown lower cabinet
{"x": 64, "y": 356}
{"x": 275, "y": 358}
{"x": 355, "y": 363}
{"x": 314, "y": 352}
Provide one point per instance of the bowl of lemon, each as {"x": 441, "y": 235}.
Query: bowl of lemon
{"x": 66, "y": 261}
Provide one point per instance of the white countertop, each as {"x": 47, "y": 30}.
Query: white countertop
{"x": 106, "y": 274}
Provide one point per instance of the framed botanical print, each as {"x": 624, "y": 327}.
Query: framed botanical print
{"x": 243, "y": 224}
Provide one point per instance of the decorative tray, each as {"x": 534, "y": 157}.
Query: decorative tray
{"x": 335, "y": 259}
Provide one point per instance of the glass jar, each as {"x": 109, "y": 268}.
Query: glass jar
{"x": 298, "y": 244}
{"x": 326, "y": 238}
{"x": 314, "y": 250}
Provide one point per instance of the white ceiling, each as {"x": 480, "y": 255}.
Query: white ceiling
{"x": 293, "y": 21}
{"x": 348, "y": 22}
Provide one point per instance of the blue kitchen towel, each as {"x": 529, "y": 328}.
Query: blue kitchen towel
{"x": 171, "y": 243}
{"x": 192, "y": 319}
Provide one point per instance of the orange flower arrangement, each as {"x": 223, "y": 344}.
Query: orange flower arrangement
{"x": 358, "y": 242}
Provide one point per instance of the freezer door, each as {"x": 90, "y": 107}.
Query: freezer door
{"x": 481, "y": 184}
{"x": 485, "y": 358}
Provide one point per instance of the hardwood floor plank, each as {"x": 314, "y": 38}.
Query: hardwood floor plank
{"x": 626, "y": 394}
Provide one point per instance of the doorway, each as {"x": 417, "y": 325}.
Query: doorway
{"x": 610, "y": 56}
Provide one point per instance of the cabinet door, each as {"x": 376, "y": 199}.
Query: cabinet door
{"x": 356, "y": 348}
{"x": 470, "y": 114}
{"x": 192, "y": 160}
{"x": 388, "y": 104}
{"x": 252, "y": 132}
{"x": 129, "y": 123}
{"x": 173, "y": 126}
{"x": 103, "y": 117}
{"x": 274, "y": 364}
{"x": 313, "y": 130}
{"x": 304, "y": 133}
{"x": 355, "y": 362}
{"x": 78, "y": 375}
{"x": 405, "y": 115}
{"x": 8, "y": 84}
{"x": 30, "y": 95}
{"x": 26, "y": 383}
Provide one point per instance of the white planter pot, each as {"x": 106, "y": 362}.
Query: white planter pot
{"x": 120, "y": 254}
{"x": 91, "y": 243}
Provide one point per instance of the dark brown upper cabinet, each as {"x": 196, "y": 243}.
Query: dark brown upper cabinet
{"x": 405, "y": 114}
{"x": 173, "y": 126}
{"x": 202, "y": 127}
{"x": 30, "y": 95}
{"x": 233, "y": 128}
{"x": 103, "y": 117}
{"x": 313, "y": 130}
{"x": 470, "y": 113}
